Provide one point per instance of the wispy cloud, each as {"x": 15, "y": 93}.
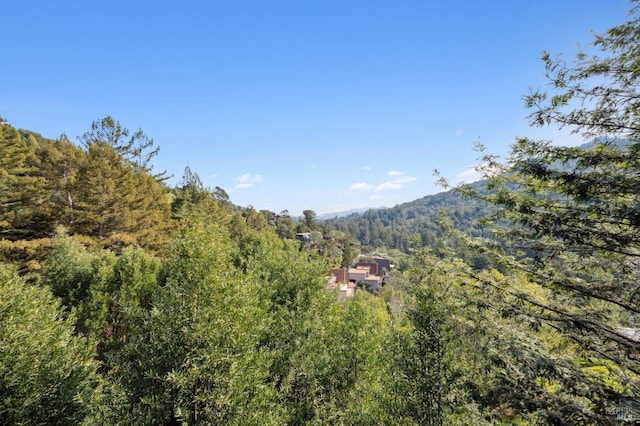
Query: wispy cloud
{"x": 469, "y": 175}
{"x": 247, "y": 181}
{"x": 360, "y": 186}
{"x": 388, "y": 186}
{"x": 398, "y": 181}
{"x": 366, "y": 168}
{"x": 476, "y": 173}
{"x": 404, "y": 179}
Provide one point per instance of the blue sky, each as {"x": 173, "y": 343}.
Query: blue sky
{"x": 326, "y": 105}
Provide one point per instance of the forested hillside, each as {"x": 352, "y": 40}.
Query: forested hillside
{"x": 103, "y": 189}
{"x": 126, "y": 301}
{"x": 415, "y": 224}
{"x": 423, "y": 222}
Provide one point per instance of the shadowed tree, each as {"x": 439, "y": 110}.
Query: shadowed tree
{"x": 569, "y": 215}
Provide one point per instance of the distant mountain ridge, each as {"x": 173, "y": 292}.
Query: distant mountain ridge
{"x": 417, "y": 222}
{"x": 333, "y": 215}
{"x": 413, "y": 223}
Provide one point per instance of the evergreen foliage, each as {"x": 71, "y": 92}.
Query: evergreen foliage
{"x": 143, "y": 304}
{"x": 22, "y": 188}
{"x": 576, "y": 209}
{"x": 45, "y": 370}
{"x": 402, "y": 226}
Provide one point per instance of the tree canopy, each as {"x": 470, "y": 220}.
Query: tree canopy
{"x": 126, "y": 301}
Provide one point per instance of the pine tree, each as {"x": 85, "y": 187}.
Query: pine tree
{"x": 60, "y": 165}
{"x": 569, "y": 215}
{"x": 22, "y": 188}
{"x": 106, "y": 192}
{"x": 136, "y": 147}
{"x": 117, "y": 199}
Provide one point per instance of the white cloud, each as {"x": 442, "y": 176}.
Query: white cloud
{"x": 470, "y": 173}
{"x": 247, "y": 180}
{"x": 366, "y": 168}
{"x": 360, "y": 186}
{"x": 400, "y": 179}
{"x": 387, "y": 186}
{"x": 476, "y": 173}
{"x": 404, "y": 179}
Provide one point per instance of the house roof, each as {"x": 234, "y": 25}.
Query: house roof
{"x": 341, "y": 274}
{"x": 383, "y": 263}
{"x": 373, "y": 267}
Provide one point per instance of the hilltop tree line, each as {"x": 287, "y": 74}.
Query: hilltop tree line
{"x": 414, "y": 225}
{"x": 103, "y": 189}
{"x": 125, "y": 301}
